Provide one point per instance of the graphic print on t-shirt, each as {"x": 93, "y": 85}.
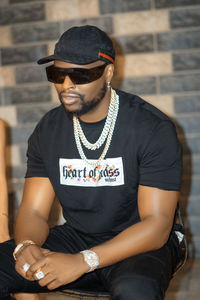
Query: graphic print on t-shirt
{"x": 77, "y": 172}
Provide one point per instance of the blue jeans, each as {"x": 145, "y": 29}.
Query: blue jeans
{"x": 142, "y": 277}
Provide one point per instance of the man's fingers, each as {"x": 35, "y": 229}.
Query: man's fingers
{"x": 53, "y": 285}
{"x": 46, "y": 252}
{"x": 36, "y": 266}
{"x": 48, "y": 278}
{"x": 21, "y": 270}
{"x": 28, "y": 256}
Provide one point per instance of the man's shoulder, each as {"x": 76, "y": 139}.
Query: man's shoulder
{"x": 51, "y": 117}
{"x": 139, "y": 107}
{"x": 53, "y": 113}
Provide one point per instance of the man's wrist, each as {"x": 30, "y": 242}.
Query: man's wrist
{"x": 20, "y": 246}
{"x": 91, "y": 259}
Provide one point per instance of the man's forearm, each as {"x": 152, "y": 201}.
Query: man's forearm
{"x": 30, "y": 226}
{"x": 144, "y": 236}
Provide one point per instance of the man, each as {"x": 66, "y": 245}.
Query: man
{"x": 114, "y": 162}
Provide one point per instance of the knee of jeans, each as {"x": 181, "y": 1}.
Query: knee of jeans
{"x": 136, "y": 288}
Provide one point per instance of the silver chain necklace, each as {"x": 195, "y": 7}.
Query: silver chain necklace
{"x": 105, "y": 130}
{"x": 106, "y": 134}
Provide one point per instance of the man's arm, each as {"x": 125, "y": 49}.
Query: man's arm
{"x": 32, "y": 217}
{"x": 156, "y": 209}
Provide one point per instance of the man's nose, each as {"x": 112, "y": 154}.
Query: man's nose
{"x": 68, "y": 83}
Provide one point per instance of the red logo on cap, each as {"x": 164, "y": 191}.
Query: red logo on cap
{"x": 106, "y": 56}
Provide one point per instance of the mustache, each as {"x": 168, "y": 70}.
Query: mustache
{"x": 66, "y": 93}
{"x": 71, "y": 94}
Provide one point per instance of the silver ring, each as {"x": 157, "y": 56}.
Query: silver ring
{"x": 26, "y": 267}
{"x": 39, "y": 275}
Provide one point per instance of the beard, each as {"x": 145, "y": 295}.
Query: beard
{"x": 86, "y": 106}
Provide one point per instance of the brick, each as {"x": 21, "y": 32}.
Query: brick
{"x": 191, "y": 165}
{"x": 59, "y": 10}
{"x": 179, "y": 83}
{"x": 15, "y": 195}
{"x": 35, "y": 32}
{"x": 185, "y": 18}
{"x": 141, "y": 22}
{"x": 174, "y": 3}
{"x": 20, "y": 55}
{"x": 4, "y": 2}
{"x": 195, "y": 252}
{"x": 30, "y": 74}
{"x": 133, "y": 43}
{"x": 143, "y": 64}
{"x": 189, "y": 124}
{"x": 187, "y": 103}
{"x": 193, "y": 283}
{"x": 136, "y": 85}
{"x": 118, "y": 6}
{"x": 164, "y": 103}
{"x": 5, "y": 35}
{"x": 178, "y": 40}
{"x": 18, "y": 172}
{"x": 194, "y": 225}
{"x": 105, "y": 23}
{"x": 27, "y": 94}
{"x": 196, "y": 166}
{"x": 1, "y": 97}
{"x": 194, "y": 144}
{"x": 186, "y": 61}
{"x": 88, "y": 8}
{"x": 21, "y": 134}
{"x": 31, "y": 114}
{"x": 22, "y": 13}
{"x": 8, "y": 113}
{"x": 13, "y": 157}
{"x": 191, "y": 145}
{"x": 51, "y": 47}
{"x": 21, "y": 1}
{"x": 7, "y": 77}
{"x": 22, "y": 152}
{"x": 54, "y": 95}
{"x": 178, "y": 295}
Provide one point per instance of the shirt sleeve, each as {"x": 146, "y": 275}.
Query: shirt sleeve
{"x": 161, "y": 162}
{"x": 35, "y": 163}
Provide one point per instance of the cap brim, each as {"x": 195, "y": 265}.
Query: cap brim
{"x": 49, "y": 58}
{"x": 46, "y": 59}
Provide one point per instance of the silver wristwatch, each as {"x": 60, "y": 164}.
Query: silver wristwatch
{"x": 91, "y": 258}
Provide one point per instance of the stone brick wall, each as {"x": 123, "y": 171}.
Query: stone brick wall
{"x": 158, "y": 57}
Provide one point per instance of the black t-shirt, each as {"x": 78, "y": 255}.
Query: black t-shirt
{"x": 144, "y": 150}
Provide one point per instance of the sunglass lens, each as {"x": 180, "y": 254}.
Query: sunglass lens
{"x": 54, "y": 75}
{"x": 76, "y": 75}
{"x": 80, "y": 76}
{"x": 84, "y": 76}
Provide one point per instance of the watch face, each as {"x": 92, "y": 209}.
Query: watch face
{"x": 91, "y": 258}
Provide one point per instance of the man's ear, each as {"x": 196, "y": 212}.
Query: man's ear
{"x": 109, "y": 72}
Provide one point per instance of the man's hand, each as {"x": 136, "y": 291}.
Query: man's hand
{"x": 30, "y": 254}
{"x": 59, "y": 269}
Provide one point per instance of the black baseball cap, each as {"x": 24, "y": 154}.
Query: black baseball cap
{"x": 82, "y": 45}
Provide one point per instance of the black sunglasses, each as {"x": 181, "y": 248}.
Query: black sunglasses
{"x": 76, "y": 75}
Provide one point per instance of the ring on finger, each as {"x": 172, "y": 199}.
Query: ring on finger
{"x": 39, "y": 275}
{"x": 26, "y": 267}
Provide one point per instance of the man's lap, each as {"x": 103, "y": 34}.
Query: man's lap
{"x": 156, "y": 265}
